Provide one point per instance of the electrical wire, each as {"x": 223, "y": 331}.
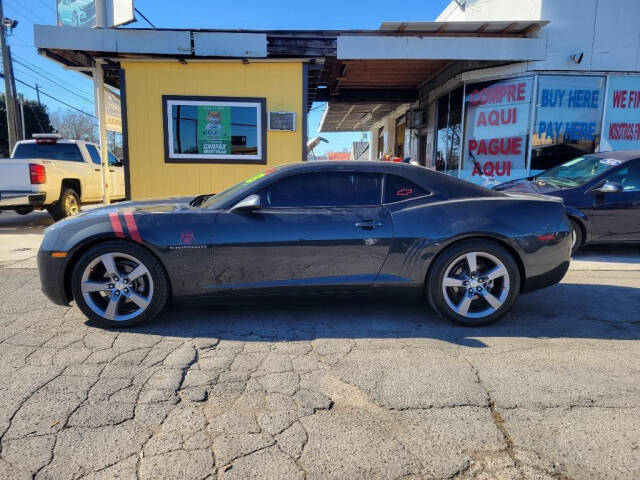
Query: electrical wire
{"x": 56, "y": 83}
{"x": 50, "y": 96}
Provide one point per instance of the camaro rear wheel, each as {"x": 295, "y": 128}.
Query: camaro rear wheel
{"x": 475, "y": 282}
{"x": 119, "y": 284}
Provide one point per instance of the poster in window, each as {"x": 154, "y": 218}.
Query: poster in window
{"x": 496, "y": 129}
{"x": 622, "y": 114}
{"x": 214, "y": 130}
{"x": 568, "y": 119}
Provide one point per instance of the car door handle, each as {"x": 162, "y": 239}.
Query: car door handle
{"x": 97, "y": 169}
{"x": 368, "y": 225}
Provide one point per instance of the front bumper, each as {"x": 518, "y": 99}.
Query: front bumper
{"x": 52, "y": 277}
{"x": 12, "y": 198}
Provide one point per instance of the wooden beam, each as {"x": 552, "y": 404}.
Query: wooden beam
{"x": 369, "y": 95}
{"x": 442, "y": 28}
{"x": 345, "y": 116}
{"x": 508, "y": 27}
{"x": 482, "y": 28}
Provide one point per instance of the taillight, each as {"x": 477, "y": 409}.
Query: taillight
{"x": 37, "y": 173}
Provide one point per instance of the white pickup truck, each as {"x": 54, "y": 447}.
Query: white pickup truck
{"x": 55, "y": 174}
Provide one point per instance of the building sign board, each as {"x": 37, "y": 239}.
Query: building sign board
{"x": 76, "y": 13}
{"x": 497, "y": 128}
{"x": 82, "y": 13}
{"x": 622, "y": 115}
{"x": 113, "y": 111}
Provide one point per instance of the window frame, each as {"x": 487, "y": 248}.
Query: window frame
{"x": 167, "y": 124}
{"x": 262, "y": 191}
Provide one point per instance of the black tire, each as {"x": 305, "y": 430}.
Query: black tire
{"x": 160, "y": 285}
{"x": 506, "y": 287}
{"x": 26, "y": 210}
{"x": 577, "y": 237}
{"x": 63, "y": 207}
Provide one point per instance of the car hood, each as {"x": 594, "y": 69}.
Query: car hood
{"x": 526, "y": 185}
{"x": 159, "y": 205}
{"x": 156, "y": 205}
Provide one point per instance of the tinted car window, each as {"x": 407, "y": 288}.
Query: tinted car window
{"x": 53, "y": 151}
{"x": 628, "y": 178}
{"x": 113, "y": 160}
{"x": 93, "y": 153}
{"x": 399, "y": 188}
{"x": 333, "y": 189}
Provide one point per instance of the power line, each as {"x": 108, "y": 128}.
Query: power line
{"x": 28, "y": 14}
{"x": 47, "y": 6}
{"x": 59, "y": 93}
{"x": 56, "y": 83}
{"x": 51, "y": 97}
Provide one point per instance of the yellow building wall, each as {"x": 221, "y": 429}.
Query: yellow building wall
{"x": 146, "y": 82}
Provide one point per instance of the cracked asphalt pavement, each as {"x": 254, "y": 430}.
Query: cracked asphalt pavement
{"x": 325, "y": 390}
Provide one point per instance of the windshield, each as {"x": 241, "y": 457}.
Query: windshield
{"x": 216, "y": 200}
{"x": 576, "y": 172}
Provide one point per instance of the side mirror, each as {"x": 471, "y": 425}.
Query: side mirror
{"x": 606, "y": 187}
{"x": 248, "y": 205}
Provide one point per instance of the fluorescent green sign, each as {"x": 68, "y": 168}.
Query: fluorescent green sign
{"x": 214, "y": 130}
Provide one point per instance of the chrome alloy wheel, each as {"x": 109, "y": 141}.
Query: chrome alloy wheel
{"x": 71, "y": 205}
{"x": 117, "y": 286}
{"x": 475, "y": 284}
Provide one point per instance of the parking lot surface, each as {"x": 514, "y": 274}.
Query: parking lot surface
{"x": 331, "y": 390}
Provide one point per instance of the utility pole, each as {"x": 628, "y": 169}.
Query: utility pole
{"x": 16, "y": 101}
{"x": 38, "y": 93}
{"x": 24, "y": 127}
{"x": 9, "y": 85}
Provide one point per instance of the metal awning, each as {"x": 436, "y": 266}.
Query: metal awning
{"x": 343, "y": 117}
{"x": 512, "y": 27}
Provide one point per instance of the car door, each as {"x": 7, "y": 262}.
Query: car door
{"x": 93, "y": 178}
{"x": 316, "y": 232}
{"x": 116, "y": 172}
{"x": 617, "y": 214}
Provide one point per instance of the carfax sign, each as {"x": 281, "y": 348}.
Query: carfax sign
{"x": 214, "y": 130}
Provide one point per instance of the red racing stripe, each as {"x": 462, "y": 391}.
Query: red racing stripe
{"x": 132, "y": 227}
{"x": 116, "y": 225}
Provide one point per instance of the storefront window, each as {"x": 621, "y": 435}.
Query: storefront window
{"x": 400, "y": 130}
{"x": 497, "y": 129}
{"x": 213, "y": 129}
{"x": 568, "y": 119}
{"x": 622, "y": 115}
{"x": 449, "y": 132}
{"x": 381, "y": 142}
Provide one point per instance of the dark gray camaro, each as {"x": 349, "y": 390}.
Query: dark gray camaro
{"x": 368, "y": 228}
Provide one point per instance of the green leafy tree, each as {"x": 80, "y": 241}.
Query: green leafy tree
{"x": 36, "y": 119}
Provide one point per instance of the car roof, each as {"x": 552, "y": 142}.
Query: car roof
{"x": 447, "y": 185}
{"x": 622, "y": 155}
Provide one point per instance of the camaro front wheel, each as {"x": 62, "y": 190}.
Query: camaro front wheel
{"x": 474, "y": 282}
{"x": 119, "y": 284}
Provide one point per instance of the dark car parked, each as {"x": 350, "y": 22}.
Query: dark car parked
{"x": 601, "y": 193}
{"x": 312, "y": 228}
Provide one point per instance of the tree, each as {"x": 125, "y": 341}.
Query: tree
{"x": 36, "y": 119}
{"x": 75, "y": 125}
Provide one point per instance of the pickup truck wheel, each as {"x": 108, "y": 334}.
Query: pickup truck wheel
{"x": 66, "y": 206}
{"x": 24, "y": 210}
